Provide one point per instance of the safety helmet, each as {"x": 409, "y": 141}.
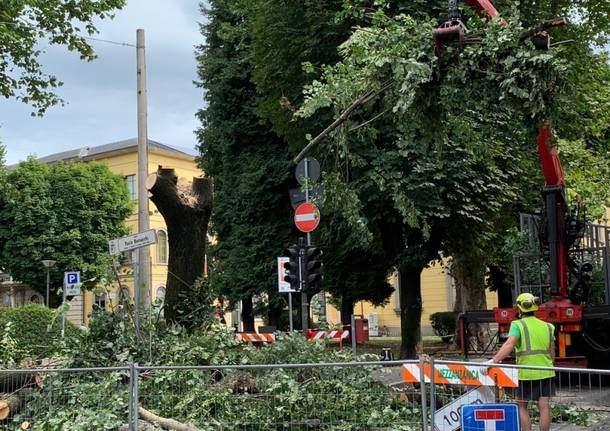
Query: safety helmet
{"x": 526, "y": 302}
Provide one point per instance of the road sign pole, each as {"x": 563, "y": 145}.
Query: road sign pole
{"x": 304, "y": 304}
{"x": 63, "y": 313}
{"x": 290, "y": 311}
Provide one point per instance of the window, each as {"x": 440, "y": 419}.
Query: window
{"x": 161, "y": 247}
{"x": 100, "y": 301}
{"x": 131, "y": 184}
{"x": 36, "y": 299}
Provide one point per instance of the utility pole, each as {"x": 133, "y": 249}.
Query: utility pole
{"x": 143, "y": 280}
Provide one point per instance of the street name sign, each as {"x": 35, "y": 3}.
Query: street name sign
{"x": 307, "y": 217}
{"x": 283, "y": 286}
{"x": 131, "y": 242}
{"x": 449, "y": 418}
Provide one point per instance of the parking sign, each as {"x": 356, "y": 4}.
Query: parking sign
{"x": 72, "y": 283}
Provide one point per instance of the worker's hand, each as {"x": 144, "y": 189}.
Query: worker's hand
{"x": 490, "y": 362}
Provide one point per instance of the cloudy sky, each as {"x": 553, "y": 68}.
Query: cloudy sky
{"x": 101, "y": 95}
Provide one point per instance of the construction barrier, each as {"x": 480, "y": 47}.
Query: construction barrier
{"x": 314, "y": 334}
{"x": 253, "y": 337}
{"x": 469, "y": 375}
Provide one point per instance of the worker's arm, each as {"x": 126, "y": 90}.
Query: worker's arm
{"x": 506, "y": 349}
{"x": 553, "y": 351}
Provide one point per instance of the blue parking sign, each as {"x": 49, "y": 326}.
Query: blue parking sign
{"x": 490, "y": 417}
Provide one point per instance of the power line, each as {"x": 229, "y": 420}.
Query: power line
{"x": 112, "y": 42}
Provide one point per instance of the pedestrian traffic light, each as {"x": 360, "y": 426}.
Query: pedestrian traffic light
{"x": 291, "y": 267}
{"x": 313, "y": 268}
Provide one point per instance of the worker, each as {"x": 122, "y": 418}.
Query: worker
{"x": 534, "y": 344}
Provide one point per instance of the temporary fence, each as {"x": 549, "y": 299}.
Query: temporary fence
{"x": 375, "y": 395}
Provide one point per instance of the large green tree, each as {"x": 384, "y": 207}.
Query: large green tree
{"x": 251, "y": 220}
{"x": 66, "y": 212}
{"x": 25, "y": 25}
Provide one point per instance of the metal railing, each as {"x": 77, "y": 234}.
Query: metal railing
{"x": 321, "y": 396}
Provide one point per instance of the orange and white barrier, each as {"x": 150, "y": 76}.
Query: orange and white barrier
{"x": 471, "y": 375}
{"x": 253, "y": 337}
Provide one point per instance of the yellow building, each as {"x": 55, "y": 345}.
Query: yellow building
{"x": 438, "y": 294}
{"x": 122, "y": 159}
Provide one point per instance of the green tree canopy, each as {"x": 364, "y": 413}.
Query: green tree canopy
{"x": 66, "y": 212}
{"x": 24, "y": 24}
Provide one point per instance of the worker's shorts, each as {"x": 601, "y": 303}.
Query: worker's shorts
{"x": 534, "y": 389}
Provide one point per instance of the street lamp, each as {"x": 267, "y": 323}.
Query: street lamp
{"x": 48, "y": 264}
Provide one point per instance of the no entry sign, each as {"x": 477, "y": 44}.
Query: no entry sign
{"x": 307, "y": 217}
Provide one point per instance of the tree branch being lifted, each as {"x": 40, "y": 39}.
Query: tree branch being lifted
{"x": 533, "y": 32}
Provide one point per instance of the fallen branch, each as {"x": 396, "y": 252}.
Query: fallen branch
{"x": 165, "y": 423}
{"x": 363, "y": 99}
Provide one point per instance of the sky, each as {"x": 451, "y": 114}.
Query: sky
{"x": 101, "y": 95}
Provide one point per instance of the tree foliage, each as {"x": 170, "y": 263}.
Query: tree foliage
{"x": 451, "y": 137}
{"x": 66, "y": 212}
{"x": 25, "y": 24}
{"x": 249, "y": 165}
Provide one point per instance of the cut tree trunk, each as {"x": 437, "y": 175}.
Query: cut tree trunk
{"x": 186, "y": 208}
{"x": 11, "y": 404}
{"x": 410, "y": 312}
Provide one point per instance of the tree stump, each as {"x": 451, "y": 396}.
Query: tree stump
{"x": 186, "y": 208}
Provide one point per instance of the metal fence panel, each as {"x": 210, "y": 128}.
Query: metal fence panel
{"x": 64, "y": 399}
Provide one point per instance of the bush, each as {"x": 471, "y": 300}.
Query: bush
{"x": 444, "y": 323}
{"x": 31, "y": 332}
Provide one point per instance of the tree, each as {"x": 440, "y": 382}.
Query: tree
{"x": 24, "y": 24}
{"x": 439, "y": 149}
{"x": 251, "y": 219}
{"x": 66, "y": 212}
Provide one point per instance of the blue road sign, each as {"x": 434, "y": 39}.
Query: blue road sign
{"x": 490, "y": 417}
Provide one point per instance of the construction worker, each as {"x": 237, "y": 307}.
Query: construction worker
{"x": 534, "y": 344}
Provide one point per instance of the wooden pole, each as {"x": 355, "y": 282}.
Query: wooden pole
{"x": 143, "y": 281}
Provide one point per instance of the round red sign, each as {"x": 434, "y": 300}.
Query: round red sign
{"x": 307, "y": 217}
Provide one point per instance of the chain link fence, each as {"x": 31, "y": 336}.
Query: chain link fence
{"x": 369, "y": 396}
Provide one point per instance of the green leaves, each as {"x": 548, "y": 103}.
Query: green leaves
{"x": 23, "y": 24}
{"x": 66, "y": 212}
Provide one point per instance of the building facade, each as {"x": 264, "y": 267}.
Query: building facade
{"x": 122, "y": 159}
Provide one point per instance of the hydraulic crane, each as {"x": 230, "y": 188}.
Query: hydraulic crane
{"x": 560, "y": 230}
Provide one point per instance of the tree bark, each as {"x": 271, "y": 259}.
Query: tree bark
{"x": 247, "y": 314}
{"x": 347, "y": 309}
{"x": 186, "y": 208}
{"x": 469, "y": 271}
{"x": 410, "y": 311}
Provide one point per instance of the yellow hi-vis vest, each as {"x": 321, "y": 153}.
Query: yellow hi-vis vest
{"x": 534, "y": 348}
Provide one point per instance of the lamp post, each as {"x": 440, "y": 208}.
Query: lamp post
{"x": 48, "y": 264}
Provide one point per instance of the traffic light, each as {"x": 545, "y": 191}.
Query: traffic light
{"x": 313, "y": 268}
{"x": 292, "y": 275}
